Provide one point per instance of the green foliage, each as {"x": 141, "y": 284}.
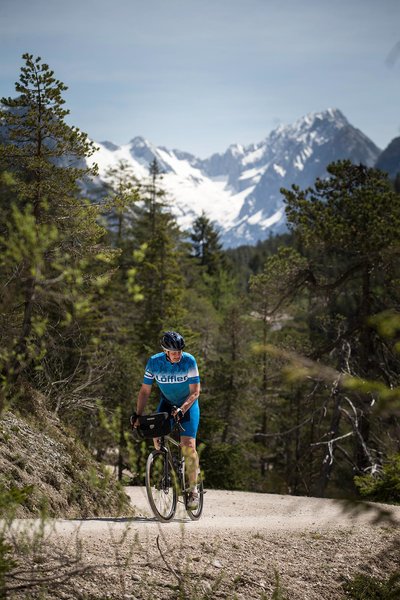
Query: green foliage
{"x": 156, "y": 236}
{"x": 11, "y": 497}
{"x": 383, "y": 486}
{"x": 354, "y": 211}
{"x": 278, "y": 593}
{"x": 245, "y": 261}
{"x": 7, "y": 563}
{"x": 283, "y": 275}
{"x": 38, "y": 136}
{"x": 48, "y": 234}
{"x": 225, "y": 466}
{"x": 367, "y": 587}
{"x": 121, "y": 193}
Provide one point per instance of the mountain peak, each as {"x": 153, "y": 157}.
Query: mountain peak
{"x": 109, "y": 146}
{"x": 312, "y": 121}
{"x": 240, "y": 188}
{"x": 330, "y": 114}
{"x": 389, "y": 160}
{"x": 236, "y": 150}
{"x": 139, "y": 142}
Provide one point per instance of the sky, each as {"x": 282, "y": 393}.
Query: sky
{"x": 199, "y": 75}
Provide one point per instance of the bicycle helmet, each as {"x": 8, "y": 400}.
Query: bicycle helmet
{"x": 172, "y": 341}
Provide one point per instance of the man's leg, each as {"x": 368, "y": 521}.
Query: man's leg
{"x": 188, "y": 445}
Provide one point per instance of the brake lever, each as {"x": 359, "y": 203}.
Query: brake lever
{"x": 177, "y": 421}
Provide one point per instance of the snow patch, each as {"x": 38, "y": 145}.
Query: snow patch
{"x": 254, "y": 174}
{"x": 280, "y": 170}
{"x": 275, "y": 218}
{"x": 254, "y": 156}
{"x": 179, "y": 166}
{"x": 298, "y": 164}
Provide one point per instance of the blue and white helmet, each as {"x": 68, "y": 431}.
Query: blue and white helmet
{"x": 172, "y": 341}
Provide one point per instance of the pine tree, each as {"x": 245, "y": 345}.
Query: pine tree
{"x": 206, "y": 245}
{"x": 348, "y": 224}
{"x": 157, "y": 237}
{"x": 207, "y": 250}
{"x": 270, "y": 293}
{"x": 51, "y": 235}
{"x": 122, "y": 191}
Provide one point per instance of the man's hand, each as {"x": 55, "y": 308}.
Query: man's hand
{"x": 177, "y": 413}
{"x": 134, "y": 421}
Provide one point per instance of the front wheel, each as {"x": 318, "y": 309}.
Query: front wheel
{"x": 161, "y": 486}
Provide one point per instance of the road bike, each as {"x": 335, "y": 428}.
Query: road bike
{"x": 166, "y": 480}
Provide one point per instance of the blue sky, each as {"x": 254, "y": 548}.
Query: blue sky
{"x": 199, "y": 75}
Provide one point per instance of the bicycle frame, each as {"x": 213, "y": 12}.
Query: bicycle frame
{"x": 177, "y": 464}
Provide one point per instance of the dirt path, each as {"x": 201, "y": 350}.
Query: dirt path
{"x": 236, "y": 550}
{"x": 225, "y": 510}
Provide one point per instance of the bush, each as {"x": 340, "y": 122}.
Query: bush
{"x": 384, "y": 486}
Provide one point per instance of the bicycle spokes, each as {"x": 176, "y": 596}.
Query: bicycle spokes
{"x": 160, "y": 485}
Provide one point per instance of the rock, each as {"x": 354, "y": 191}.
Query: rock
{"x": 217, "y": 564}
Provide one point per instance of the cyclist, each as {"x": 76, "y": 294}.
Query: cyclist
{"x": 177, "y": 377}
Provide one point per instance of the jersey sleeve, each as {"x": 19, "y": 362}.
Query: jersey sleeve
{"x": 193, "y": 372}
{"x": 148, "y": 378}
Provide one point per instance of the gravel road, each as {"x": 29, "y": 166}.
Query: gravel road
{"x": 242, "y": 545}
{"x": 225, "y": 510}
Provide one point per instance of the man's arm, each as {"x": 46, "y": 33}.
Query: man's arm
{"x": 143, "y": 396}
{"x": 194, "y": 389}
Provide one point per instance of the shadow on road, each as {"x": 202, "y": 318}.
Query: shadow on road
{"x": 126, "y": 520}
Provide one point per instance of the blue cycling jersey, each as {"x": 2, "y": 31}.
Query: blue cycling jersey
{"x": 173, "y": 379}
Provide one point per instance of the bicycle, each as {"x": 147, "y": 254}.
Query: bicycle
{"x": 165, "y": 472}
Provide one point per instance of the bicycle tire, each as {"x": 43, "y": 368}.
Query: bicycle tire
{"x": 162, "y": 494}
{"x": 195, "y": 514}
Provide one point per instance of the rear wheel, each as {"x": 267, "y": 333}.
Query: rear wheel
{"x": 161, "y": 486}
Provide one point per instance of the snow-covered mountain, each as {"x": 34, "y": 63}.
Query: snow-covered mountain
{"x": 239, "y": 189}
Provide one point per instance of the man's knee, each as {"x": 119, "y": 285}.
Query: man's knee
{"x": 188, "y": 443}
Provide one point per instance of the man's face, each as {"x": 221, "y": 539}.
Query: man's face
{"x": 174, "y": 356}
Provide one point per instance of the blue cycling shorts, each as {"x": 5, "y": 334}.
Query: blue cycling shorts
{"x": 190, "y": 420}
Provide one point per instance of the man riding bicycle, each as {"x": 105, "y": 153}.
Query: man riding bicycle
{"x": 177, "y": 377}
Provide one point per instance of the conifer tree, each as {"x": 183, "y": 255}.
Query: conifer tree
{"x": 121, "y": 188}
{"x": 117, "y": 315}
{"x": 158, "y": 273}
{"x": 207, "y": 250}
{"x": 348, "y": 224}
{"x": 206, "y": 245}
{"x": 51, "y": 234}
{"x": 270, "y": 293}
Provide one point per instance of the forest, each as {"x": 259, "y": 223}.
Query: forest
{"x": 296, "y": 338}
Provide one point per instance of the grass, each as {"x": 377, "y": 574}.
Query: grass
{"x": 366, "y": 587}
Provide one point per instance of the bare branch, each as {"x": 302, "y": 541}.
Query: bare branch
{"x": 170, "y": 569}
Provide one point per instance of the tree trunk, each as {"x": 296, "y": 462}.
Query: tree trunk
{"x": 264, "y": 427}
{"x": 366, "y": 352}
{"x": 121, "y": 447}
{"x": 21, "y": 360}
{"x": 231, "y": 391}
